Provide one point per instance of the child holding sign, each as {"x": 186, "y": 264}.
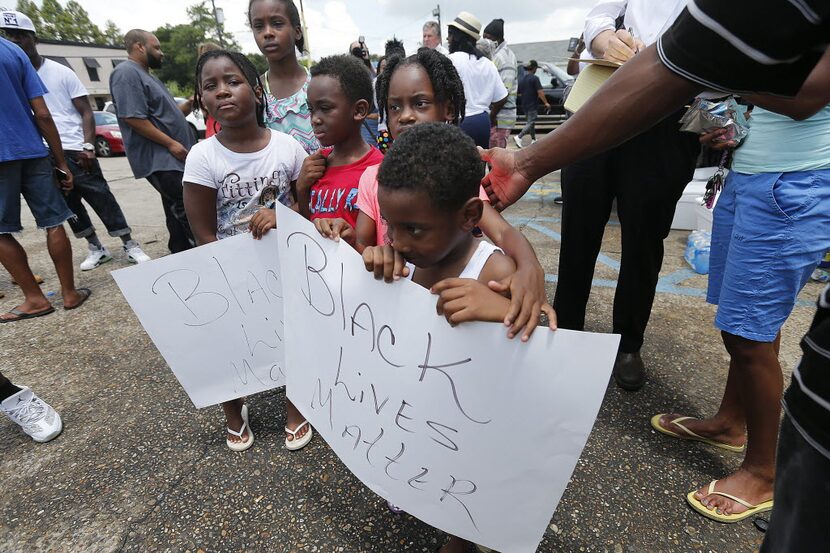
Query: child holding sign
{"x": 340, "y": 97}
{"x": 429, "y": 199}
{"x": 231, "y": 183}
{"x": 425, "y": 87}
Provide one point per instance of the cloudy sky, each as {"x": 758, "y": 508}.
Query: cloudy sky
{"x": 332, "y": 25}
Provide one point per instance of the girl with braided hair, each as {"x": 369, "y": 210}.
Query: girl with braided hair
{"x": 232, "y": 181}
{"x": 278, "y": 33}
{"x": 423, "y": 88}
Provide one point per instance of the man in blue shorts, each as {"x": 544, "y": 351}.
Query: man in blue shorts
{"x": 25, "y": 169}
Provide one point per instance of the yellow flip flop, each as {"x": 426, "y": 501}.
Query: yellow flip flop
{"x": 751, "y": 510}
{"x": 689, "y": 435}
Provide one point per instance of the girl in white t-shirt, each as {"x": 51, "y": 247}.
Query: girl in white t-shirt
{"x": 231, "y": 183}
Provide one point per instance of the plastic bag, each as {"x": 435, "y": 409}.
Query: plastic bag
{"x": 697, "y": 251}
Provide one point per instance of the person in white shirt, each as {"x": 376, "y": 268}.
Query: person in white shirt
{"x": 483, "y": 87}
{"x": 646, "y": 176}
{"x": 67, "y": 101}
{"x": 432, "y": 37}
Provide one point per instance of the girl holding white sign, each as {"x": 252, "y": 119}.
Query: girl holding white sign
{"x": 232, "y": 182}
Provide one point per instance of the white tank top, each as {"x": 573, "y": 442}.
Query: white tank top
{"x": 474, "y": 265}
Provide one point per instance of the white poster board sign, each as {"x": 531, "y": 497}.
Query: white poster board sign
{"x": 462, "y": 428}
{"x": 215, "y": 315}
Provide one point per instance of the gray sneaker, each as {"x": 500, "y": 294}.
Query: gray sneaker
{"x": 33, "y": 415}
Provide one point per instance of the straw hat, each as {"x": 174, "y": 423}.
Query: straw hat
{"x": 468, "y": 24}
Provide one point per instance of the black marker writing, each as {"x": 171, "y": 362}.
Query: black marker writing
{"x": 440, "y": 368}
{"x": 417, "y": 479}
{"x": 307, "y": 294}
{"x": 449, "y": 444}
{"x": 449, "y": 492}
{"x": 394, "y": 461}
{"x": 188, "y": 296}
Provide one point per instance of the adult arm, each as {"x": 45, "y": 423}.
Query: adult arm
{"x": 200, "y": 206}
{"x": 151, "y": 132}
{"x": 49, "y": 131}
{"x": 573, "y": 62}
{"x": 638, "y": 95}
{"x": 526, "y": 285}
{"x": 88, "y": 123}
{"x": 813, "y": 96}
{"x": 495, "y": 108}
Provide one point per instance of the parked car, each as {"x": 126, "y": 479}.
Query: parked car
{"x": 554, "y": 80}
{"x": 194, "y": 118}
{"x": 107, "y": 135}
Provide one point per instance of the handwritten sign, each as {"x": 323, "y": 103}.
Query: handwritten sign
{"x": 466, "y": 430}
{"x": 215, "y": 315}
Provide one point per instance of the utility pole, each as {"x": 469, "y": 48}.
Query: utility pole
{"x": 437, "y": 13}
{"x": 305, "y": 33}
{"x": 219, "y": 18}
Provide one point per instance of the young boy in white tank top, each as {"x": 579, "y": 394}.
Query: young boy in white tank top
{"x": 429, "y": 199}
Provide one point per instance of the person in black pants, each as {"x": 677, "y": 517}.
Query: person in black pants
{"x": 156, "y": 135}
{"x": 647, "y": 176}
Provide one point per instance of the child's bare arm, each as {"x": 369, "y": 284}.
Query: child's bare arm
{"x": 385, "y": 263}
{"x": 464, "y": 299}
{"x": 200, "y": 206}
{"x": 526, "y": 284}
{"x": 366, "y": 232}
{"x": 314, "y": 166}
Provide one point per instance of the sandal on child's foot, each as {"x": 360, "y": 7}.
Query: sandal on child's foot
{"x": 296, "y": 443}
{"x": 242, "y": 445}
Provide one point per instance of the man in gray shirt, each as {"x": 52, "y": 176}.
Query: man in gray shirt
{"x": 156, "y": 135}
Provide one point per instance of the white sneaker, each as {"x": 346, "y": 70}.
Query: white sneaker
{"x": 33, "y": 415}
{"x": 95, "y": 257}
{"x": 134, "y": 252}
{"x": 518, "y": 142}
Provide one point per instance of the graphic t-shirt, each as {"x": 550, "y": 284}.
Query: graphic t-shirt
{"x": 245, "y": 183}
{"x": 335, "y": 194}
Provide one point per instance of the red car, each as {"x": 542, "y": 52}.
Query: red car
{"x": 107, "y": 135}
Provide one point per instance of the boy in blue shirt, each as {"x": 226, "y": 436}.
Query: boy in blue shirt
{"x": 25, "y": 169}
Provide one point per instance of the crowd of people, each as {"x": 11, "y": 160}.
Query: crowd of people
{"x": 351, "y": 146}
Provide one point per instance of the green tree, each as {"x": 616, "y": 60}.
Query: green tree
{"x": 259, "y": 62}
{"x": 180, "y": 42}
{"x": 30, "y": 8}
{"x": 56, "y": 22}
{"x": 113, "y": 35}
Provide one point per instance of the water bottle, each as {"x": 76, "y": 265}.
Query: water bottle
{"x": 697, "y": 251}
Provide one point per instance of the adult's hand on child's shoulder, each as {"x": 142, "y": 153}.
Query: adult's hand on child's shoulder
{"x": 263, "y": 220}
{"x": 385, "y": 263}
{"x": 312, "y": 170}
{"x": 528, "y": 300}
{"x": 335, "y": 229}
{"x": 464, "y": 299}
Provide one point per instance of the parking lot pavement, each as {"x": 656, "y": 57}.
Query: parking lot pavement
{"x": 138, "y": 468}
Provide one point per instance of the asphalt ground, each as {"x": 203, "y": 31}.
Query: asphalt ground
{"x": 138, "y": 468}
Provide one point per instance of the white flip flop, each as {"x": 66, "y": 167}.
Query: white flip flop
{"x": 298, "y": 443}
{"x": 241, "y": 446}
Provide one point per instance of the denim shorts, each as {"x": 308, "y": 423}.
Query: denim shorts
{"x": 769, "y": 232}
{"x": 35, "y": 180}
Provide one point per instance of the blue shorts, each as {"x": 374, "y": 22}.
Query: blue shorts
{"x": 35, "y": 180}
{"x": 769, "y": 232}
